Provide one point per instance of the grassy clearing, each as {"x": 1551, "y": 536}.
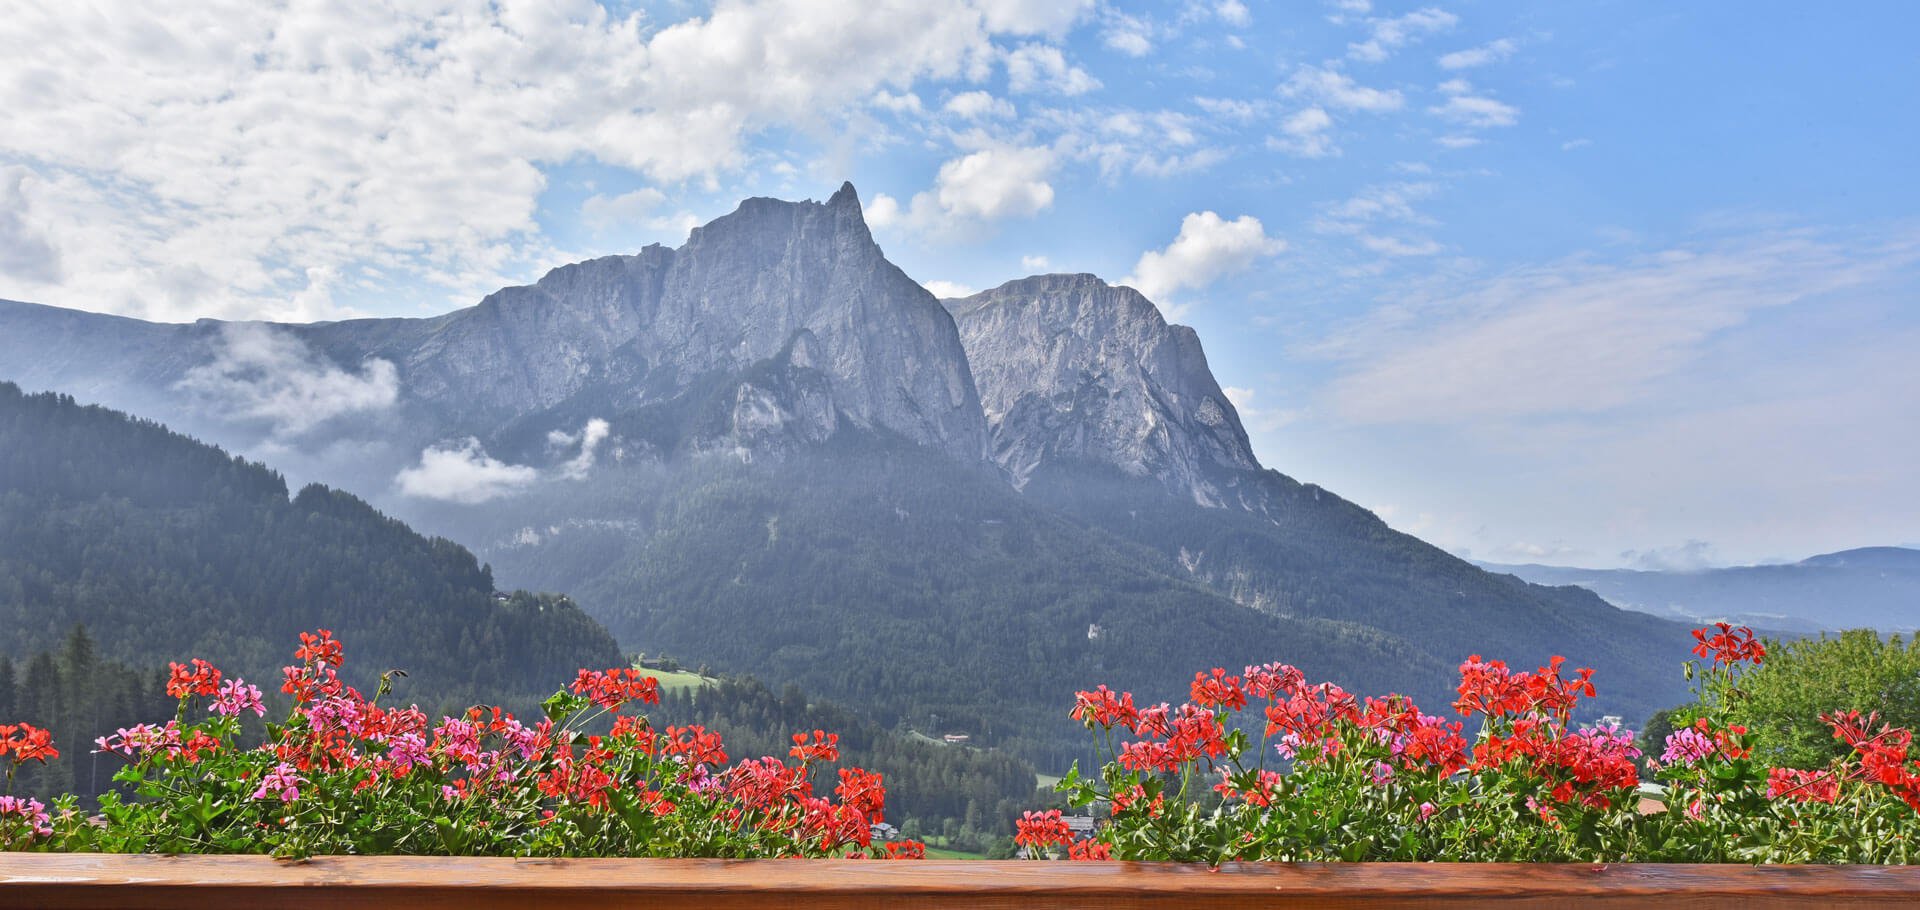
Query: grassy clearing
{"x": 680, "y": 680}
{"x": 944, "y": 853}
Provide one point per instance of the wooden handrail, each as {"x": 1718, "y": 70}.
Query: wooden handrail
{"x": 476, "y": 883}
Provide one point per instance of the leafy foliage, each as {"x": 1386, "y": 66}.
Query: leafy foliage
{"x": 1780, "y": 701}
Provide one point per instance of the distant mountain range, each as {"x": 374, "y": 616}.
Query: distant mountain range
{"x": 1870, "y": 587}
{"x": 771, "y": 451}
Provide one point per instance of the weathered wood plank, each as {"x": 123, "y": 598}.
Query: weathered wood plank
{"x": 464, "y": 883}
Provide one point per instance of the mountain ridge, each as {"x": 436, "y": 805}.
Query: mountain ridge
{"x": 1872, "y": 587}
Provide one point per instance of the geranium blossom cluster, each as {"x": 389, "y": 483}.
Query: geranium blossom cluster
{"x": 25, "y": 743}
{"x": 23, "y": 821}
{"x": 344, "y": 773}
{"x": 1334, "y": 776}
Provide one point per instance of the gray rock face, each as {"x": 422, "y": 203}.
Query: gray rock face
{"x": 801, "y": 283}
{"x": 799, "y": 290}
{"x": 1072, "y": 369}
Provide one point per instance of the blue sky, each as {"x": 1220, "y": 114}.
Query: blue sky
{"x": 1604, "y": 283}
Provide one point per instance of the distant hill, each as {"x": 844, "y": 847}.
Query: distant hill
{"x": 1870, "y": 587}
{"x": 166, "y": 548}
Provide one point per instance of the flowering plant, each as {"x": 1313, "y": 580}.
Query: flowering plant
{"x": 344, "y": 774}
{"x": 1338, "y": 777}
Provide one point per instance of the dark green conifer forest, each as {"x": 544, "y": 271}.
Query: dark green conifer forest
{"x": 168, "y": 549}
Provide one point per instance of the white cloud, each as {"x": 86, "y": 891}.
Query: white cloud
{"x": 1207, "y": 248}
{"x": 976, "y": 105}
{"x": 1130, "y": 35}
{"x": 1691, "y": 556}
{"x": 1258, "y": 419}
{"x": 1477, "y": 111}
{"x": 988, "y": 185}
{"x": 601, "y": 211}
{"x": 1034, "y": 264}
{"x": 1042, "y": 67}
{"x": 214, "y": 152}
{"x": 1395, "y": 246}
{"x": 996, "y": 183}
{"x": 1235, "y": 109}
{"x": 259, "y": 373}
{"x": 947, "y": 289}
{"x": 1455, "y": 141}
{"x": 897, "y": 102}
{"x": 1389, "y": 35}
{"x": 883, "y": 211}
{"x": 1126, "y": 141}
{"x": 25, "y": 252}
{"x": 588, "y": 439}
{"x": 1306, "y": 134}
{"x": 1572, "y": 144}
{"x": 1491, "y": 52}
{"x": 463, "y": 473}
{"x": 1384, "y": 202}
{"x": 1032, "y": 17}
{"x": 1338, "y": 90}
{"x": 1577, "y": 336}
{"x": 1233, "y": 13}
{"x": 1362, "y": 214}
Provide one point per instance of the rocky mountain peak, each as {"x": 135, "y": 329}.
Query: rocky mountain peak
{"x": 1074, "y": 370}
{"x": 797, "y": 288}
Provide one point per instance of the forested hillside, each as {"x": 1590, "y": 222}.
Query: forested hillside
{"x": 888, "y": 578}
{"x": 166, "y": 548}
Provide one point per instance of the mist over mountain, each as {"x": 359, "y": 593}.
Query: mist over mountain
{"x": 1868, "y": 587}
{"x": 772, "y": 451}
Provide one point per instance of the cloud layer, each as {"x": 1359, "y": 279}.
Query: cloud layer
{"x": 260, "y": 373}
{"x": 230, "y": 159}
{"x": 1579, "y": 336}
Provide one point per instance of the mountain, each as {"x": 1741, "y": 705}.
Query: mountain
{"x": 1096, "y": 404}
{"x": 1074, "y": 370}
{"x": 165, "y": 549}
{"x": 1870, "y": 587}
{"x": 771, "y": 451}
{"x": 774, "y": 326}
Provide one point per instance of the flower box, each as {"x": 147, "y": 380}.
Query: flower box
{"x": 478, "y": 883}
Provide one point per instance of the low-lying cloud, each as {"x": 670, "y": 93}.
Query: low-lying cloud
{"x": 463, "y": 473}
{"x": 264, "y": 374}
{"x": 588, "y": 440}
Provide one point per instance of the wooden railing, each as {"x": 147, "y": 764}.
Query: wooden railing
{"x": 461, "y": 883}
